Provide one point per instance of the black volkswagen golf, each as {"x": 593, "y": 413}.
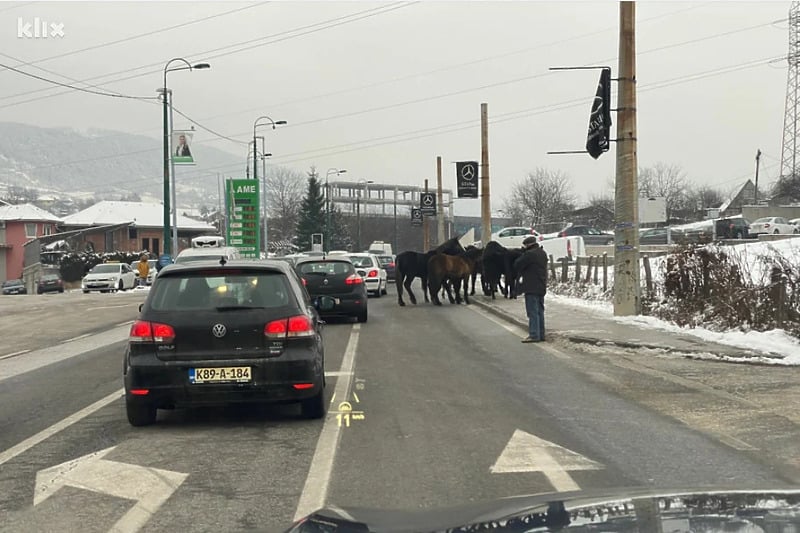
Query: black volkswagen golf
{"x": 212, "y": 333}
{"x": 335, "y": 279}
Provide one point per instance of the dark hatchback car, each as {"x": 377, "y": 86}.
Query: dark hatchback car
{"x": 387, "y": 263}
{"x": 591, "y": 236}
{"x": 215, "y": 333}
{"x": 335, "y": 276}
{"x": 50, "y": 283}
{"x": 14, "y": 286}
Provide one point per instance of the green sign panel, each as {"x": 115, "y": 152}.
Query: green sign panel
{"x": 242, "y": 199}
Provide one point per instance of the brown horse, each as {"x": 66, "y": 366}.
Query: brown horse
{"x": 456, "y": 269}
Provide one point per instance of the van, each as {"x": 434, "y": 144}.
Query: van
{"x": 212, "y": 253}
{"x": 380, "y": 248}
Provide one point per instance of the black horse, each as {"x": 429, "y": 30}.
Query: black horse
{"x": 447, "y": 272}
{"x": 410, "y": 265}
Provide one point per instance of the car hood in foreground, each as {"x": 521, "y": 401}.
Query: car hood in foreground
{"x": 620, "y": 510}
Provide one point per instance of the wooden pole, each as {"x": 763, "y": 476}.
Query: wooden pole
{"x": 552, "y": 267}
{"x": 426, "y": 238}
{"x": 627, "y": 285}
{"x": 486, "y": 206}
{"x": 439, "y": 202}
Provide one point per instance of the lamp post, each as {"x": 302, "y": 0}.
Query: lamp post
{"x": 330, "y": 171}
{"x": 263, "y": 196}
{"x": 256, "y": 124}
{"x": 358, "y": 213}
{"x": 167, "y": 106}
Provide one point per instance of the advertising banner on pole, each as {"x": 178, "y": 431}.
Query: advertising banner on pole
{"x": 182, "y": 147}
{"x": 244, "y": 227}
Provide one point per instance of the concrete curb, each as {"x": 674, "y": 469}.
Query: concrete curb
{"x": 580, "y": 339}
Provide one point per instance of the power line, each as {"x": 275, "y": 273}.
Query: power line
{"x": 190, "y": 119}
{"x": 138, "y": 36}
{"x": 319, "y": 26}
{"x": 73, "y": 87}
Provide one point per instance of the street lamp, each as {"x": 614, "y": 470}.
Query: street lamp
{"x": 168, "y": 245}
{"x": 358, "y": 212}
{"x": 256, "y": 124}
{"x": 330, "y": 171}
{"x": 264, "y": 157}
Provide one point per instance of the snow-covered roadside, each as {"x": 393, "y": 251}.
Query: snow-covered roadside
{"x": 776, "y": 342}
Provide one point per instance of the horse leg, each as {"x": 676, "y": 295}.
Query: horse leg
{"x": 466, "y": 298}
{"x": 474, "y": 277}
{"x": 399, "y": 283}
{"x": 407, "y": 284}
{"x": 449, "y": 286}
{"x": 457, "y": 288}
{"x": 435, "y": 286}
{"x": 425, "y": 287}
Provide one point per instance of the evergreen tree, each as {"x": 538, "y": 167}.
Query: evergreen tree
{"x": 340, "y": 238}
{"x": 312, "y": 212}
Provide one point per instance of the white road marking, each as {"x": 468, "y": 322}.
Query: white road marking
{"x": 107, "y": 307}
{"x": 315, "y": 490}
{"x": 53, "y": 354}
{"x": 126, "y": 323}
{"x": 13, "y": 354}
{"x": 528, "y": 453}
{"x": 78, "y": 337}
{"x": 336, "y": 374}
{"x": 46, "y": 433}
{"x": 148, "y": 487}
{"x": 519, "y": 332}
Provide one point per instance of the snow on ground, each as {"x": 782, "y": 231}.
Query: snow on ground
{"x": 776, "y": 342}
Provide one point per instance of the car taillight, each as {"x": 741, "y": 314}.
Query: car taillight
{"x": 354, "y": 279}
{"x": 390, "y": 265}
{"x": 304, "y": 281}
{"x": 766, "y": 225}
{"x": 562, "y": 234}
{"x": 144, "y": 331}
{"x": 373, "y": 274}
{"x": 294, "y": 326}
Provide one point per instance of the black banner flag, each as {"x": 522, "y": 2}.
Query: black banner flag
{"x": 467, "y": 179}
{"x": 597, "y": 142}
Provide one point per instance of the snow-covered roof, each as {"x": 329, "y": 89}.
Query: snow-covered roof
{"x": 143, "y": 214}
{"x": 726, "y": 204}
{"x": 26, "y": 212}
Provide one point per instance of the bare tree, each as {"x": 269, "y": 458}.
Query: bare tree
{"x": 666, "y": 180}
{"x": 543, "y": 197}
{"x": 285, "y": 190}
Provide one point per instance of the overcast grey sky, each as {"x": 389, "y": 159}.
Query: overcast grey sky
{"x": 382, "y": 88}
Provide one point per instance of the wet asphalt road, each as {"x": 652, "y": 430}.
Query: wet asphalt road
{"x": 446, "y": 406}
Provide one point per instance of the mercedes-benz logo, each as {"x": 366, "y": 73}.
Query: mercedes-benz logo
{"x": 468, "y": 172}
{"x": 219, "y": 330}
{"x": 417, "y": 213}
{"x": 427, "y": 199}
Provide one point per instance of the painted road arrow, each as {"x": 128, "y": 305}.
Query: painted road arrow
{"x": 528, "y": 453}
{"x": 148, "y": 487}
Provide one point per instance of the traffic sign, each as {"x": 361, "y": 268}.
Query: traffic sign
{"x": 416, "y": 216}
{"x": 427, "y": 203}
{"x": 244, "y": 227}
{"x": 467, "y": 179}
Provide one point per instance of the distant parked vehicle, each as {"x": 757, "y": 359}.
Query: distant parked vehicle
{"x": 653, "y": 236}
{"x": 14, "y": 286}
{"x": 387, "y": 263}
{"x": 50, "y": 283}
{"x": 772, "y": 225}
{"x": 733, "y": 228}
{"x": 796, "y": 222}
{"x": 512, "y": 237}
{"x": 591, "y": 236}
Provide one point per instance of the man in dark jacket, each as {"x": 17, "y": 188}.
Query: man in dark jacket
{"x": 532, "y": 267}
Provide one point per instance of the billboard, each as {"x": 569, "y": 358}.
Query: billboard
{"x": 182, "y": 147}
{"x": 244, "y": 225}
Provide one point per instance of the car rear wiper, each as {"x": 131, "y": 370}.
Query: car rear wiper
{"x": 238, "y": 307}
{"x": 316, "y": 273}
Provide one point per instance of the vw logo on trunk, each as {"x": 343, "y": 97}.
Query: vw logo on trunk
{"x": 219, "y": 330}
{"x": 324, "y": 281}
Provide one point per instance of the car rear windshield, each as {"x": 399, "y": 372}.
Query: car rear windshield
{"x": 12, "y": 283}
{"x": 325, "y": 267}
{"x": 189, "y": 258}
{"x": 209, "y": 290}
{"x": 362, "y": 261}
{"x": 765, "y": 219}
{"x": 385, "y": 259}
{"x": 105, "y": 269}
{"x": 50, "y": 277}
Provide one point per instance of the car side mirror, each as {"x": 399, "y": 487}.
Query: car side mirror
{"x": 324, "y": 303}
{"x": 140, "y": 307}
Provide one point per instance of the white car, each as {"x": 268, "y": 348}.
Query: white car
{"x": 107, "y": 277}
{"x": 769, "y": 225}
{"x": 512, "y": 237}
{"x": 151, "y": 274}
{"x": 369, "y": 267}
{"x": 796, "y": 222}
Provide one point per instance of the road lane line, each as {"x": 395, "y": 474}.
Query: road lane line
{"x": 78, "y": 337}
{"x": 521, "y": 333}
{"x": 315, "y": 490}
{"x": 336, "y": 374}
{"x": 13, "y": 354}
{"x": 46, "y": 433}
{"x": 107, "y": 307}
{"x": 126, "y": 323}
{"x": 36, "y": 359}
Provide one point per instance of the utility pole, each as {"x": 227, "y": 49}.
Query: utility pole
{"x": 426, "y": 238}
{"x": 627, "y": 289}
{"x": 758, "y": 160}
{"x": 486, "y": 205}
{"x": 439, "y": 201}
